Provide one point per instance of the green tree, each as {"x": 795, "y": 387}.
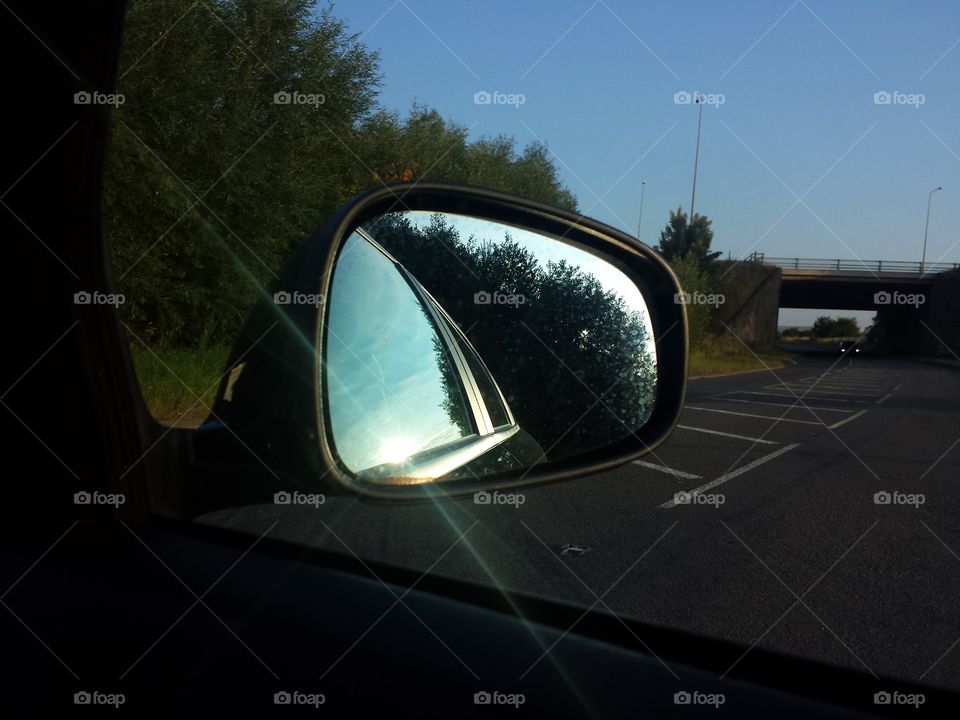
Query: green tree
{"x": 427, "y": 147}
{"x": 824, "y": 327}
{"x": 209, "y": 181}
{"x": 682, "y": 239}
{"x": 245, "y": 124}
{"x": 846, "y": 327}
{"x": 695, "y": 281}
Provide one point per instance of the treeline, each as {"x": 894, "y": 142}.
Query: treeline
{"x": 827, "y": 327}
{"x": 244, "y": 124}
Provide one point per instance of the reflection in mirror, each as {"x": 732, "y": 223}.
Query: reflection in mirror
{"x": 457, "y": 347}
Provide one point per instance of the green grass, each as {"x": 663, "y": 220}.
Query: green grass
{"x": 721, "y": 358}
{"x": 160, "y": 372}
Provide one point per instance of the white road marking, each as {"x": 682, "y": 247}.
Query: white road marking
{"x": 729, "y": 435}
{"x": 805, "y": 390}
{"x": 845, "y": 420}
{"x": 762, "y": 417}
{"x": 880, "y": 401}
{"x": 667, "y": 470}
{"x": 846, "y": 384}
{"x": 786, "y": 395}
{"x": 785, "y": 406}
{"x": 734, "y": 473}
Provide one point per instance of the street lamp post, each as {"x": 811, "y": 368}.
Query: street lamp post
{"x": 643, "y": 185}
{"x": 926, "y": 227}
{"x": 696, "y": 158}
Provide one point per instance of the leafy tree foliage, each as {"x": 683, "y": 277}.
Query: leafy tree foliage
{"x": 693, "y": 279}
{"x": 212, "y": 180}
{"x": 828, "y": 327}
{"x": 682, "y": 239}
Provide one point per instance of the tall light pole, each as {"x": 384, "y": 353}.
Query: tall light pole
{"x": 696, "y": 159}
{"x": 926, "y": 227}
{"x": 643, "y": 185}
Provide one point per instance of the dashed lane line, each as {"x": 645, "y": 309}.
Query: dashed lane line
{"x": 665, "y": 469}
{"x": 762, "y": 417}
{"x": 726, "y": 477}
{"x": 729, "y": 435}
{"x": 785, "y": 406}
{"x": 845, "y": 420}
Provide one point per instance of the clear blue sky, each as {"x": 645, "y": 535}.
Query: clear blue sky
{"x": 797, "y": 79}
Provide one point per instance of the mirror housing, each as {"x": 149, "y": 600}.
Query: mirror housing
{"x": 274, "y": 401}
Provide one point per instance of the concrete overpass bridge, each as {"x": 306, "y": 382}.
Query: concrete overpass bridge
{"x": 851, "y": 284}
{"x": 917, "y": 306}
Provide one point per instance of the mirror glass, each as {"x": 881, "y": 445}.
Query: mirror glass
{"x": 442, "y": 331}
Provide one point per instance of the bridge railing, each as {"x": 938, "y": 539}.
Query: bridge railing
{"x": 875, "y": 266}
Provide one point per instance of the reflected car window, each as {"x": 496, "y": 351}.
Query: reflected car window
{"x": 391, "y": 384}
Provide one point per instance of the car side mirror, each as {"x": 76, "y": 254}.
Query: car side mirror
{"x": 434, "y": 338}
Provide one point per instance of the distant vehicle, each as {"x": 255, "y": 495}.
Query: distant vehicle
{"x": 848, "y": 346}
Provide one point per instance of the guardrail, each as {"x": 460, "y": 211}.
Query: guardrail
{"x": 875, "y": 266}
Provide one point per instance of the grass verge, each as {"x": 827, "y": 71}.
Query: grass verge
{"x": 719, "y": 359}
{"x": 171, "y": 380}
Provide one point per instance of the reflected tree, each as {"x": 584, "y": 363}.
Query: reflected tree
{"x": 572, "y": 359}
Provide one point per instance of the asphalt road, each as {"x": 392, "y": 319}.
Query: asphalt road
{"x": 782, "y": 543}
